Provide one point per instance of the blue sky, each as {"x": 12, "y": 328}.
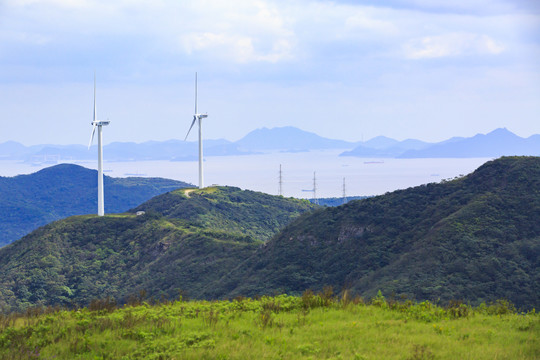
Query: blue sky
{"x": 349, "y": 70}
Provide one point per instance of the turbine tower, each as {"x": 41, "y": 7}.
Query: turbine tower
{"x": 197, "y": 117}
{"x": 99, "y": 124}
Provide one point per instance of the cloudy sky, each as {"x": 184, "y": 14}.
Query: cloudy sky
{"x": 425, "y": 69}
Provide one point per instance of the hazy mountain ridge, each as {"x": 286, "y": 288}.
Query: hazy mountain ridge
{"x": 497, "y": 143}
{"x": 30, "y": 201}
{"x": 284, "y": 139}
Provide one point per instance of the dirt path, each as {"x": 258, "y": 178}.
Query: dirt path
{"x": 188, "y": 191}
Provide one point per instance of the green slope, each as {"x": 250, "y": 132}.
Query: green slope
{"x": 30, "y": 201}
{"x": 230, "y": 209}
{"x": 474, "y": 239}
{"x": 280, "y": 327}
{"x": 169, "y": 249}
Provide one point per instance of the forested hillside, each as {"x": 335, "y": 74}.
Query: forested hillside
{"x": 169, "y": 249}
{"x": 30, "y": 201}
{"x": 475, "y": 239}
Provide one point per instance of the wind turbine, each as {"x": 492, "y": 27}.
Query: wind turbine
{"x": 99, "y": 124}
{"x": 197, "y": 117}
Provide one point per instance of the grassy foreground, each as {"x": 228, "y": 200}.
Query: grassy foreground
{"x": 281, "y": 327}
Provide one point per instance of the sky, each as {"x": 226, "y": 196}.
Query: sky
{"x": 350, "y": 70}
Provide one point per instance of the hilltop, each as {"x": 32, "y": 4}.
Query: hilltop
{"x": 475, "y": 239}
{"x": 30, "y": 201}
{"x": 230, "y": 209}
{"x": 186, "y": 240}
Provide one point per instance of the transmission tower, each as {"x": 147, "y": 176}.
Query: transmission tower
{"x": 344, "y": 192}
{"x": 280, "y": 188}
{"x": 315, "y": 188}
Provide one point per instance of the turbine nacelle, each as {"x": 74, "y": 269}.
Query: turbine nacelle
{"x": 195, "y": 118}
{"x": 95, "y": 124}
{"x": 100, "y": 123}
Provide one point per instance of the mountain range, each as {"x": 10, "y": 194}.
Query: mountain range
{"x": 30, "y": 201}
{"x": 474, "y": 239}
{"x": 497, "y": 143}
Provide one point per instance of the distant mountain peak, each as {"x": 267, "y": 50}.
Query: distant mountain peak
{"x": 380, "y": 142}
{"x": 501, "y": 132}
{"x": 288, "y": 138}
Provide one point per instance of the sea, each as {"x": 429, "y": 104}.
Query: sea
{"x": 302, "y": 172}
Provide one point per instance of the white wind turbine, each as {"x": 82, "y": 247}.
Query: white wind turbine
{"x": 198, "y": 117}
{"x": 99, "y": 124}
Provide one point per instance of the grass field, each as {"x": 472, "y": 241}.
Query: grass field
{"x": 282, "y": 327}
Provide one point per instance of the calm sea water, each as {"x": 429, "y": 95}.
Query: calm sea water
{"x": 261, "y": 172}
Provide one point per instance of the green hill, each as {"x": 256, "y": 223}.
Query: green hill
{"x": 170, "y": 248}
{"x": 30, "y": 201}
{"x": 476, "y": 239}
{"x": 242, "y": 212}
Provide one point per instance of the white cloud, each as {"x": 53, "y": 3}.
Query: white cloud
{"x": 452, "y": 44}
{"x": 236, "y": 48}
{"x": 253, "y": 31}
{"x": 301, "y": 59}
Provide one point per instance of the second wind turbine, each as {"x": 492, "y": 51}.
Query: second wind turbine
{"x": 197, "y": 118}
{"x": 99, "y": 124}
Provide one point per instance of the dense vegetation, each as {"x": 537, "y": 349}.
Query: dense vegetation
{"x": 242, "y": 212}
{"x": 170, "y": 248}
{"x": 281, "y": 327}
{"x": 475, "y": 239}
{"x": 30, "y": 201}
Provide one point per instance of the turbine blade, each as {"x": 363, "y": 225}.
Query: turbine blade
{"x": 195, "y": 93}
{"x": 95, "y": 96}
{"x": 92, "y": 136}
{"x": 191, "y": 127}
